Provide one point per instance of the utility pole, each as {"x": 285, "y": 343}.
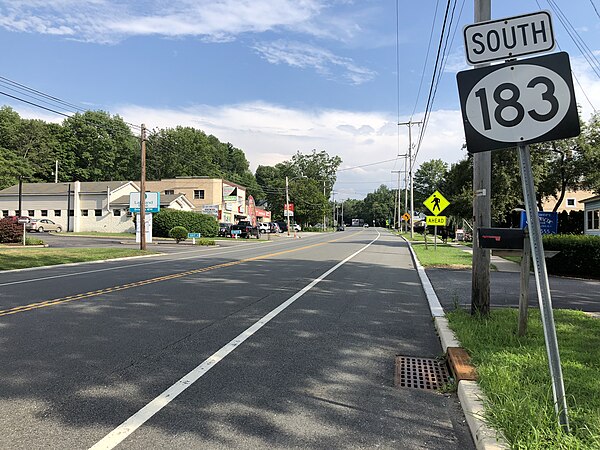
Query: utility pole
{"x": 56, "y": 172}
{"x": 287, "y": 203}
{"x": 397, "y": 202}
{"x": 143, "y": 191}
{"x": 324, "y": 208}
{"x": 482, "y": 183}
{"x": 410, "y": 123}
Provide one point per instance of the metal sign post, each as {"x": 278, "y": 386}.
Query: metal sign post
{"x": 543, "y": 287}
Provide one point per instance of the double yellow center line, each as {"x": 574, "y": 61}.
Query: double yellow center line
{"x": 122, "y": 287}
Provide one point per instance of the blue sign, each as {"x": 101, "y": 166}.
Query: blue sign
{"x": 194, "y": 235}
{"x": 548, "y": 221}
{"x": 236, "y": 231}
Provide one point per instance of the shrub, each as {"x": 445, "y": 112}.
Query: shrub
{"x": 579, "y": 255}
{"x": 178, "y": 233}
{"x": 33, "y": 241}
{"x": 10, "y": 231}
{"x": 166, "y": 219}
{"x": 205, "y": 241}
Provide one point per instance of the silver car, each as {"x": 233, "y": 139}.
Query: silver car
{"x": 41, "y": 225}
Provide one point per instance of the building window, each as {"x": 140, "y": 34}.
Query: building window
{"x": 98, "y": 212}
{"x": 571, "y": 203}
{"x": 57, "y": 213}
{"x": 31, "y": 212}
{"x": 84, "y": 213}
{"x": 71, "y": 212}
{"x": 18, "y": 212}
{"x": 169, "y": 192}
{"x": 116, "y": 212}
{"x": 198, "y": 194}
{"x": 44, "y": 213}
{"x": 593, "y": 219}
{"x": 5, "y": 213}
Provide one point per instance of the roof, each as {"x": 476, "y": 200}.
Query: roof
{"x": 87, "y": 187}
{"x": 165, "y": 200}
{"x": 591, "y": 199}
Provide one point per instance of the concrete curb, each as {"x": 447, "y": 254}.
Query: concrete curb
{"x": 469, "y": 394}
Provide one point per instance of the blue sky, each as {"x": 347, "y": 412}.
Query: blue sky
{"x": 270, "y": 76}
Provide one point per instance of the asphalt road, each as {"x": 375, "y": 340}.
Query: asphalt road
{"x": 283, "y": 344}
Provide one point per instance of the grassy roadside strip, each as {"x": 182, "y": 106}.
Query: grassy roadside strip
{"x": 21, "y": 258}
{"x": 514, "y": 375}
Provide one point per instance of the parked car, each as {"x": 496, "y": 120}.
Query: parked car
{"x": 274, "y": 227}
{"x": 282, "y": 224}
{"x": 224, "y": 229}
{"x": 264, "y": 227}
{"x": 341, "y": 228}
{"x": 297, "y": 227}
{"x": 41, "y": 225}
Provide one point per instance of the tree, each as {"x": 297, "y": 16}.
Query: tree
{"x": 379, "y": 205}
{"x": 101, "y": 146}
{"x": 428, "y": 178}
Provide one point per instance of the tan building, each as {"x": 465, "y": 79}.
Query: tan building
{"x": 571, "y": 202}
{"x": 215, "y": 196}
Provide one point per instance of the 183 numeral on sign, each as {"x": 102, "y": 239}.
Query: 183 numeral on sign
{"x": 518, "y": 103}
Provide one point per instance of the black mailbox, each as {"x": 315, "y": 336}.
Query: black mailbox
{"x": 502, "y": 238}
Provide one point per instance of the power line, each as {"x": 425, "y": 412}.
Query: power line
{"x": 367, "y": 165}
{"x": 56, "y": 103}
{"x": 595, "y": 9}
{"x": 437, "y": 4}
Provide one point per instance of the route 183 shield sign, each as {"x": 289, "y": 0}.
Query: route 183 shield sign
{"x": 518, "y": 102}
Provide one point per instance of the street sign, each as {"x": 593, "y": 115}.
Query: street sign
{"x": 152, "y": 203}
{"x": 548, "y": 221}
{"x": 436, "y": 221}
{"x": 406, "y": 216}
{"x": 194, "y": 235}
{"x": 288, "y": 210}
{"x": 436, "y": 203}
{"x": 23, "y": 220}
{"x": 503, "y": 39}
{"x": 518, "y": 102}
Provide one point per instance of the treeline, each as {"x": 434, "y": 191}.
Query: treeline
{"x": 97, "y": 146}
{"x": 558, "y": 166}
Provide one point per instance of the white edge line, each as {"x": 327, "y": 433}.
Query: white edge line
{"x": 432, "y": 299}
{"x": 117, "y": 436}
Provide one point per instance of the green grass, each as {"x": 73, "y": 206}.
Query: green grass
{"x": 20, "y": 258}
{"x": 514, "y": 375}
{"x": 444, "y": 256}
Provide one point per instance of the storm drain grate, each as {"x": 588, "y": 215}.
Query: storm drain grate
{"x": 420, "y": 373}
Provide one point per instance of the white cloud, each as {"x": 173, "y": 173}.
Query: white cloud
{"x": 111, "y": 20}
{"x": 298, "y": 54}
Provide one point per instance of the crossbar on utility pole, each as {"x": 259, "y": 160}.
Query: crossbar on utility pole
{"x": 482, "y": 184}
{"x": 410, "y": 123}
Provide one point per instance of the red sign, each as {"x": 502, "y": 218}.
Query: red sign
{"x": 289, "y": 207}
{"x": 263, "y": 213}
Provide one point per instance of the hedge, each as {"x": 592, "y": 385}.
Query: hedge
{"x": 166, "y": 219}
{"x": 578, "y": 257}
{"x": 10, "y": 231}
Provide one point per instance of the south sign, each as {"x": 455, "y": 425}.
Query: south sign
{"x": 498, "y": 40}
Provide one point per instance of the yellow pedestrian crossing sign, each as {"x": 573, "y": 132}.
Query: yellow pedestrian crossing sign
{"x": 436, "y": 203}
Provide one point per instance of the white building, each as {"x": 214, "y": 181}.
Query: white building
{"x": 81, "y": 206}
